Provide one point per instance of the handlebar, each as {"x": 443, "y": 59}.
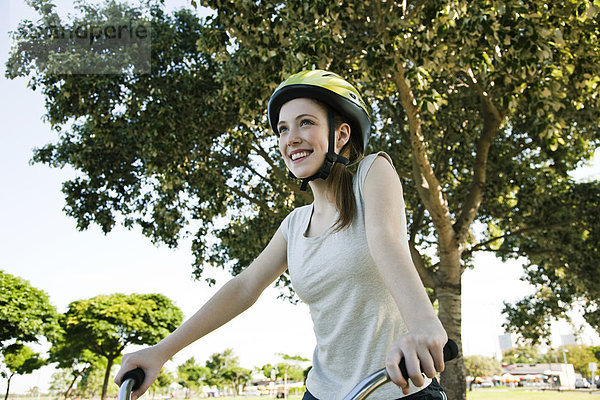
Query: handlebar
{"x": 131, "y": 381}
{"x": 134, "y": 378}
{"x": 373, "y": 381}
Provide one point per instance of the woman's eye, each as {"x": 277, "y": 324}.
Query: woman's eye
{"x": 306, "y": 122}
{"x": 282, "y": 129}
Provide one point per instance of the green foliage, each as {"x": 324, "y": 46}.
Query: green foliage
{"x": 162, "y": 382}
{"x": 236, "y": 376}
{"x": 294, "y": 372}
{"x": 522, "y": 355}
{"x": 578, "y": 355}
{"x": 562, "y": 265}
{"x": 75, "y": 363}
{"x": 25, "y": 312}
{"x": 83, "y": 380}
{"x": 19, "y": 360}
{"x": 224, "y": 369}
{"x": 482, "y": 366}
{"x": 105, "y": 325}
{"x": 191, "y": 376}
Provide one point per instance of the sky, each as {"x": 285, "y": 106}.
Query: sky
{"x": 39, "y": 243}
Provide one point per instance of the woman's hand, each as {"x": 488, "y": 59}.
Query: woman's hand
{"x": 149, "y": 359}
{"x": 423, "y": 351}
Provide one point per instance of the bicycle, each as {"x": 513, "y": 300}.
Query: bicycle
{"x": 133, "y": 379}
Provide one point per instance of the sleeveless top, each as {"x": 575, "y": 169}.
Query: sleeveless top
{"x": 354, "y": 315}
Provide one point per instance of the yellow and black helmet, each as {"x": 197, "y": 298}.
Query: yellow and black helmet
{"x": 330, "y": 89}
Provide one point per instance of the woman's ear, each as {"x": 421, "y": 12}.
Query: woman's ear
{"x": 342, "y": 136}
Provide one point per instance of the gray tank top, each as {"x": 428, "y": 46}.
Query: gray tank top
{"x": 354, "y": 315}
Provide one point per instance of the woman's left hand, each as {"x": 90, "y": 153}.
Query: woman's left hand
{"x": 423, "y": 351}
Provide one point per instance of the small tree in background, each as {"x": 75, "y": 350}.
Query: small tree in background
{"x": 482, "y": 366}
{"x": 19, "y": 360}
{"x": 225, "y": 370}
{"x": 191, "y": 375}
{"x": 522, "y": 355}
{"x": 105, "y": 325}
{"x": 578, "y": 355}
{"x": 162, "y": 382}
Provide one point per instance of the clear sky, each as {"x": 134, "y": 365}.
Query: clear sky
{"x": 38, "y": 242}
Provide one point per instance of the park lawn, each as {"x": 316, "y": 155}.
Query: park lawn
{"x": 486, "y": 394}
{"x": 291, "y": 397}
{"x": 528, "y": 394}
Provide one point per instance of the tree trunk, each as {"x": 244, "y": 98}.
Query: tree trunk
{"x": 76, "y": 375}
{"x": 8, "y": 386}
{"x": 453, "y": 378}
{"x": 106, "y": 378}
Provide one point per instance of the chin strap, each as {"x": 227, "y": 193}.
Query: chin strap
{"x": 330, "y": 158}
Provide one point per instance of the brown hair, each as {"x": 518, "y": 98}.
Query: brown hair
{"x": 340, "y": 180}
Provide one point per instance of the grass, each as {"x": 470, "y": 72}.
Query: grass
{"x": 528, "y": 394}
{"x": 476, "y": 394}
{"x": 487, "y": 394}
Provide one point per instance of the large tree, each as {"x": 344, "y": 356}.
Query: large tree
{"x": 105, "y": 325}
{"x": 25, "y": 312}
{"x": 485, "y": 107}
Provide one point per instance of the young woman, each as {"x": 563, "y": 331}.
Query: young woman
{"x": 347, "y": 254}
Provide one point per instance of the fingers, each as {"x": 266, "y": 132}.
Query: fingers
{"x": 421, "y": 357}
{"x": 127, "y": 365}
{"x": 392, "y": 366}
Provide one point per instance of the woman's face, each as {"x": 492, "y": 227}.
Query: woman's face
{"x": 304, "y": 136}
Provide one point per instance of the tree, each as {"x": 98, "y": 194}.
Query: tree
{"x": 578, "y": 355}
{"x": 83, "y": 381}
{"x": 522, "y": 355}
{"x": 106, "y": 324}
{"x": 25, "y": 312}
{"x": 482, "y": 366}
{"x": 19, "y": 360}
{"x": 225, "y": 370}
{"x": 236, "y": 376}
{"x": 162, "y": 383}
{"x": 484, "y": 106}
{"x": 76, "y": 361}
{"x": 294, "y": 370}
{"x": 92, "y": 381}
{"x": 191, "y": 376}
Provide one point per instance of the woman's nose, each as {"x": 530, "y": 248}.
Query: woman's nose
{"x": 293, "y": 137}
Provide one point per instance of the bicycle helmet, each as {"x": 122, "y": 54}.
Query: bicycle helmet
{"x": 340, "y": 96}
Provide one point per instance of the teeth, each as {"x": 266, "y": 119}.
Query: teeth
{"x": 298, "y": 155}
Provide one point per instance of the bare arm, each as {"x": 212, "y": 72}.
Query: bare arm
{"x": 385, "y": 222}
{"x": 232, "y": 299}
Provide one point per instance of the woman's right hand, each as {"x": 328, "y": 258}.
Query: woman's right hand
{"x": 149, "y": 359}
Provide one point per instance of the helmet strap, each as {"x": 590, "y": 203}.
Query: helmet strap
{"x": 330, "y": 158}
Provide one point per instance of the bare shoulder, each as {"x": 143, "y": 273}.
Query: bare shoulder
{"x": 381, "y": 177}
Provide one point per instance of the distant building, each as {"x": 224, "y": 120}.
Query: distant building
{"x": 560, "y": 376}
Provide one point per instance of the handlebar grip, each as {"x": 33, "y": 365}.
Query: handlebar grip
{"x": 450, "y": 353}
{"x": 137, "y": 375}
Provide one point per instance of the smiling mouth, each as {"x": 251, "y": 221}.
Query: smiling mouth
{"x": 300, "y": 155}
